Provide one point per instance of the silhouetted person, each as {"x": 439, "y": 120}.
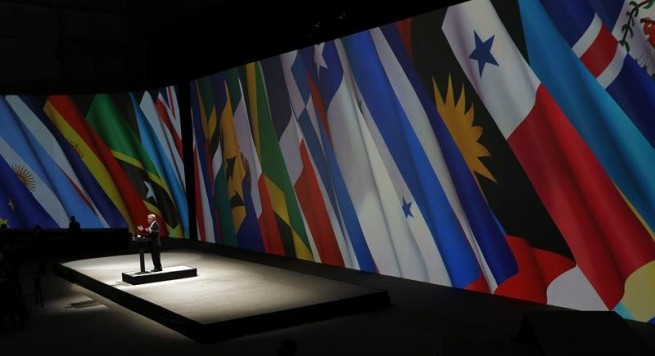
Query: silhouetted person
{"x": 12, "y": 305}
{"x": 6, "y": 252}
{"x": 6, "y": 247}
{"x": 39, "y": 241}
{"x": 11, "y": 291}
{"x": 288, "y": 347}
{"x": 9, "y": 262}
{"x": 4, "y": 238}
{"x": 154, "y": 245}
{"x": 74, "y": 228}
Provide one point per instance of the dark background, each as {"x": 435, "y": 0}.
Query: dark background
{"x": 92, "y": 46}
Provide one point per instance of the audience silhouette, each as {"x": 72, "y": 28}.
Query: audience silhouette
{"x": 12, "y": 305}
{"x": 74, "y": 228}
{"x": 288, "y": 347}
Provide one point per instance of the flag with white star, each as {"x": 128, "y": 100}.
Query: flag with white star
{"x": 116, "y": 129}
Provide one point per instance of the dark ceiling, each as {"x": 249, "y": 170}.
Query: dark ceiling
{"x": 85, "y": 46}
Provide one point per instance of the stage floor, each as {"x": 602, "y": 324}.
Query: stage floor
{"x": 227, "y": 298}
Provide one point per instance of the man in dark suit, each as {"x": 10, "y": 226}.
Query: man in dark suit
{"x": 155, "y": 243}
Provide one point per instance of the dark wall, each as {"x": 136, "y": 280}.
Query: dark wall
{"x": 80, "y": 46}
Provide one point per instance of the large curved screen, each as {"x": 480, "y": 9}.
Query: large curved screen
{"x": 504, "y": 147}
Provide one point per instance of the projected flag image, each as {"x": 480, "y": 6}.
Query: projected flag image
{"x": 503, "y": 147}
{"x": 107, "y": 159}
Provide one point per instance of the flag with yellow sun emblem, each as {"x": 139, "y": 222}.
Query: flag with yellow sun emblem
{"x": 17, "y": 204}
{"x": 537, "y": 244}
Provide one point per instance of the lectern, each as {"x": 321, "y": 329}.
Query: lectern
{"x": 142, "y": 241}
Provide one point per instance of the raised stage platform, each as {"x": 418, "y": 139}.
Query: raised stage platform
{"x": 227, "y": 298}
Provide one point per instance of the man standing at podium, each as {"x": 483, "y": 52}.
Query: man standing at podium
{"x": 155, "y": 243}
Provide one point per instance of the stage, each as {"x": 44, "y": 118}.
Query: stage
{"x": 227, "y": 298}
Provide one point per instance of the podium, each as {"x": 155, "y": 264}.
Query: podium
{"x": 166, "y": 274}
{"x": 142, "y": 241}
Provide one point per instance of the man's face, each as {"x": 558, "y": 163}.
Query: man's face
{"x": 150, "y": 219}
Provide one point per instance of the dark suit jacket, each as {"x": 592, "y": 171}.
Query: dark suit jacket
{"x": 154, "y": 233}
